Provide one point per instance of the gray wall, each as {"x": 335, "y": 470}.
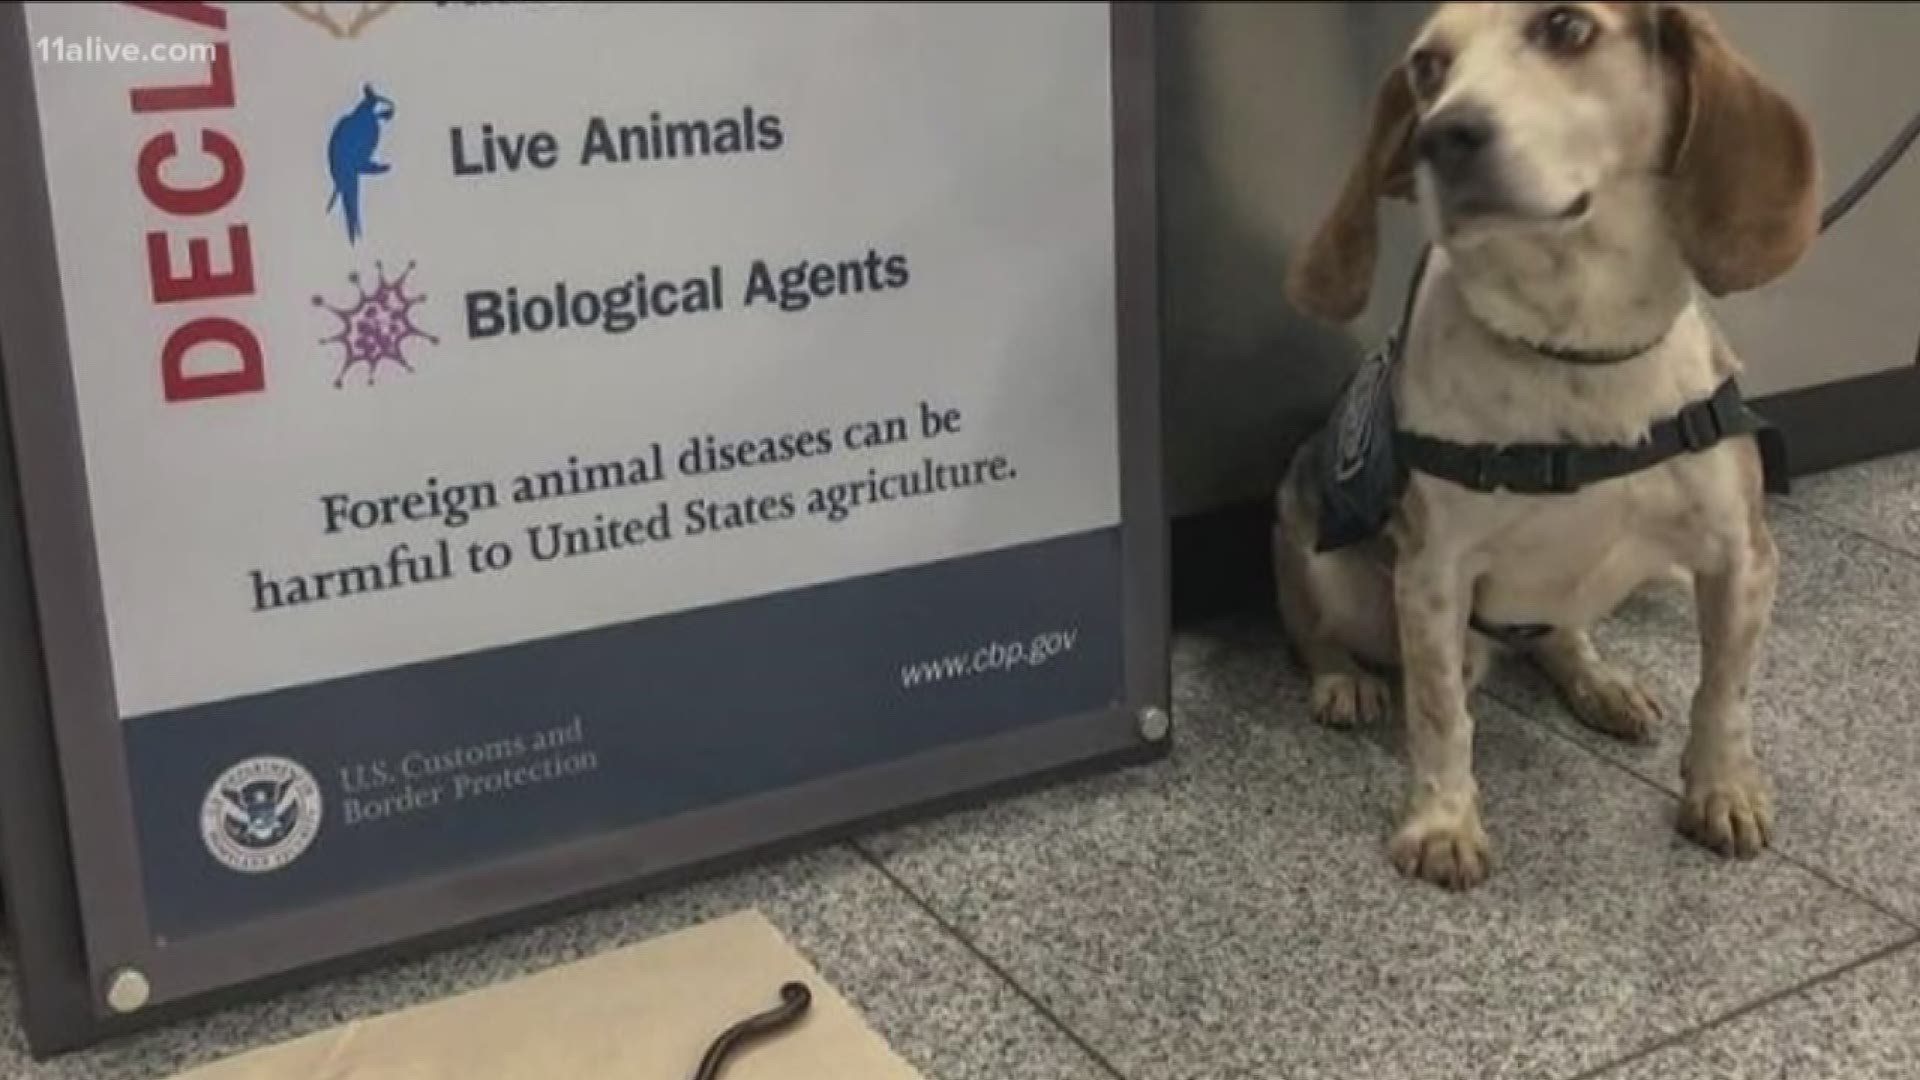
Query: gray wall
{"x": 1261, "y": 108}
{"x": 1853, "y": 308}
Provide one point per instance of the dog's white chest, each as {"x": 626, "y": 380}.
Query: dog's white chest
{"x": 1570, "y": 560}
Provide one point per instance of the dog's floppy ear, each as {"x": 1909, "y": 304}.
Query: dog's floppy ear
{"x": 1745, "y": 174}
{"x": 1334, "y": 276}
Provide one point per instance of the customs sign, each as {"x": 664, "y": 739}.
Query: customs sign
{"x": 473, "y": 456}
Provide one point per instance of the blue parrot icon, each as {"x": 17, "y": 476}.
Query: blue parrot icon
{"x": 351, "y": 154}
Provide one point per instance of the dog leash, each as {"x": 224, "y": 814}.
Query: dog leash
{"x": 1876, "y": 169}
{"x": 795, "y": 997}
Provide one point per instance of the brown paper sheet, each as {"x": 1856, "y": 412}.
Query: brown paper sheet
{"x": 645, "y": 1012}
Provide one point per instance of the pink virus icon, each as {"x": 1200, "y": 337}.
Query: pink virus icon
{"x": 375, "y": 327}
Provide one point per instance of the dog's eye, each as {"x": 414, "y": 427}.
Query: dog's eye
{"x": 1566, "y": 31}
{"x": 1428, "y": 69}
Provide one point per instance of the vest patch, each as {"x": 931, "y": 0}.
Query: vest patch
{"x": 1358, "y": 470}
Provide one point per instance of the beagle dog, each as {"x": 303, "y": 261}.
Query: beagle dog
{"x": 1589, "y": 176}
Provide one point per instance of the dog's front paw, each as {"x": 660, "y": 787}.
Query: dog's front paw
{"x": 1447, "y": 848}
{"x": 1343, "y": 699}
{"x": 1614, "y": 703}
{"x": 1730, "y": 812}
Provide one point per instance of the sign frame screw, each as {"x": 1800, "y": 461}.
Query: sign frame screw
{"x": 1154, "y": 724}
{"x": 128, "y": 990}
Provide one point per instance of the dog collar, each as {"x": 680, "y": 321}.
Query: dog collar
{"x": 1591, "y": 357}
{"x": 1568, "y": 354}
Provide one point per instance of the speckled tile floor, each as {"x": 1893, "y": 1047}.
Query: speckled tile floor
{"x": 1229, "y": 914}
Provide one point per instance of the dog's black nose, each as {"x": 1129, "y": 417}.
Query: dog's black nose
{"x": 1453, "y": 141}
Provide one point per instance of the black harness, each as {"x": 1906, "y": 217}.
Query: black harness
{"x": 1363, "y": 459}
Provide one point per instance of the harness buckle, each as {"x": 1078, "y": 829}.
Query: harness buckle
{"x": 1547, "y": 471}
{"x": 1559, "y": 471}
{"x": 1484, "y": 462}
{"x": 1699, "y": 426}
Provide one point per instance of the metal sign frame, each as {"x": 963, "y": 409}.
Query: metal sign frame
{"x": 89, "y": 970}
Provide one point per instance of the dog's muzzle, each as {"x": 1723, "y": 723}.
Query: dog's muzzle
{"x": 1460, "y": 147}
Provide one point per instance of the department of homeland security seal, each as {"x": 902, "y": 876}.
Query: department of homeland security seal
{"x": 260, "y": 815}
